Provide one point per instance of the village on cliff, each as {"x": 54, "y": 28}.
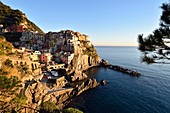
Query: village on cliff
{"x": 54, "y": 59}
{"x": 52, "y": 64}
{"x": 50, "y": 51}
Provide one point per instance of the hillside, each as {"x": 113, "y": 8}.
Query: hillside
{"x": 8, "y": 56}
{"x": 5, "y": 47}
{"x": 9, "y": 17}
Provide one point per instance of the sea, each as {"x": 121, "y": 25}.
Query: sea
{"x": 149, "y": 93}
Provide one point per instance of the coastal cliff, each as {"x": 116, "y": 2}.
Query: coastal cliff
{"x": 85, "y": 56}
{"x": 38, "y": 93}
{"x": 65, "y": 47}
{"x": 35, "y": 93}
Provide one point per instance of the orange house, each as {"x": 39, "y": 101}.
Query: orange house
{"x": 43, "y": 58}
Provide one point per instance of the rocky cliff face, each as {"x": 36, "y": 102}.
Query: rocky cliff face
{"x": 37, "y": 93}
{"x": 85, "y": 56}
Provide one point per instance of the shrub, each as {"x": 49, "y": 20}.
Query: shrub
{"x": 72, "y": 110}
{"x": 8, "y": 63}
{"x": 9, "y": 85}
{"x": 3, "y": 72}
{"x": 1, "y": 52}
{"x": 19, "y": 101}
{"x": 23, "y": 68}
{"x": 49, "y": 107}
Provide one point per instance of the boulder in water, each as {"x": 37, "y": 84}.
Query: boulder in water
{"x": 103, "y": 82}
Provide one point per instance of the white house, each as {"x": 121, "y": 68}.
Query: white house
{"x": 70, "y": 58}
{"x": 37, "y": 52}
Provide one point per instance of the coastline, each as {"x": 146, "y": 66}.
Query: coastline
{"x": 77, "y": 98}
{"x": 69, "y": 100}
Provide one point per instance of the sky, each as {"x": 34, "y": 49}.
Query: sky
{"x": 106, "y": 22}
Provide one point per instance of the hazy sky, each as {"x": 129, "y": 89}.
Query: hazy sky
{"x": 107, "y": 22}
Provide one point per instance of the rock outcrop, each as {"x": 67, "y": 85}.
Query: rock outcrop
{"x": 85, "y": 56}
{"x": 78, "y": 75}
{"x": 37, "y": 93}
{"x": 60, "y": 82}
{"x": 103, "y": 82}
{"x": 90, "y": 83}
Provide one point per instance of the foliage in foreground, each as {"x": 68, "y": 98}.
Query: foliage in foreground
{"x": 71, "y": 110}
{"x": 49, "y": 107}
{"x": 155, "y": 47}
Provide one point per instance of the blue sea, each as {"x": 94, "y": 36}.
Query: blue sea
{"x": 149, "y": 93}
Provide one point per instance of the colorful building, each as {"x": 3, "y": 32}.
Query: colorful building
{"x": 16, "y": 28}
{"x": 45, "y": 58}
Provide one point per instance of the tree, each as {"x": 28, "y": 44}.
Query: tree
{"x": 156, "y": 46}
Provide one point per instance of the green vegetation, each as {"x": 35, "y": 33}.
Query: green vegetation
{"x": 72, "y": 110}
{"x": 3, "y": 72}
{"x": 8, "y": 63}
{"x": 49, "y": 107}
{"x": 23, "y": 69}
{"x": 9, "y": 86}
{"x": 9, "y": 17}
{"x": 155, "y": 47}
{"x": 18, "y": 102}
{"x": 7, "y": 66}
{"x": 20, "y": 99}
{"x": 88, "y": 50}
{"x": 5, "y": 47}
